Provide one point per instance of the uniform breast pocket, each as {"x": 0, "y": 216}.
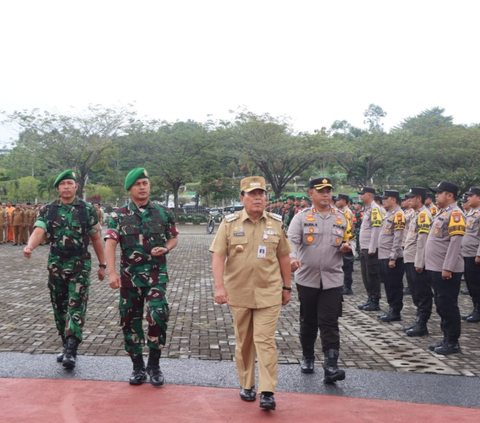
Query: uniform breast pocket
{"x": 271, "y": 243}
{"x": 310, "y": 235}
{"x": 337, "y": 236}
{"x": 438, "y": 226}
{"x": 238, "y": 245}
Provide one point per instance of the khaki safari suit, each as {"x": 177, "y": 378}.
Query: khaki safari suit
{"x": 254, "y": 288}
{"x": 18, "y": 223}
{"x": 3, "y": 223}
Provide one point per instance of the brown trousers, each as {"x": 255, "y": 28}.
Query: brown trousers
{"x": 255, "y": 331}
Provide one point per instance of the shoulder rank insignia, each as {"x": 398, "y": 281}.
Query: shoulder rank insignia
{"x": 231, "y": 217}
{"x": 276, "y": 216}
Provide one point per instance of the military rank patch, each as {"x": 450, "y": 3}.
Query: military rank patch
{"x": 456, "y": 225}
{"x": 276, "y": 216}
{"x": 230, "y": 217}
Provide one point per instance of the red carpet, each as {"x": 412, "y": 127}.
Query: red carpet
{"x": 72, "y": 401}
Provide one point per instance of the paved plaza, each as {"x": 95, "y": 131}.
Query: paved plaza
{"x": 202, "y": 330}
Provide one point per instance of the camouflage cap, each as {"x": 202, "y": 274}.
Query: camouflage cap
{"x": 252, "y": 183}
{"x": 68, "y": 174}
{"x": 135, "y": 174}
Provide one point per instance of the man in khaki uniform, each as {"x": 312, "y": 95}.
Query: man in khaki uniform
{"x": 250, "y": 260}
{"x": 4, "y": 216}
{"x": 30, "y": 217}
{"x": 320, "y": 237}
{"x": 18, "y": 223}
{"x": 444, "y": 261}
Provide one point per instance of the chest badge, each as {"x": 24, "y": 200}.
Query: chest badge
{"x": 239, "y": 248}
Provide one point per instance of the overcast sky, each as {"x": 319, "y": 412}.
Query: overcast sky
{"x": 315, "y": 61}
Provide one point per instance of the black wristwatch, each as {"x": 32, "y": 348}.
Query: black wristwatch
{"x": 168, "y": 250}
{"x": 104, "y": 266}
{"x": 287, "y": 288}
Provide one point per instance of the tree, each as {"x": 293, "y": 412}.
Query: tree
{"x": 273, "y": 147}
{"x": 74, "y": 141}
{"x": 25, "y": 188}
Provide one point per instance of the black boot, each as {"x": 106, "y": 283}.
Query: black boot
{"x": 60, "y": 356}
{"x": 448, "y": 347}
{"x": 391, "y": 316}
{"x": 308, "y": 364}
{"x": 362, "y": 306}
{"x": 373, "y": 306}
{"x": 347, "y": 290}
{"x": 69, "y": 358}
{"x": 411, "y": 326}
{"x": 432, "y": 347}
{"x": 138, "y": 375}
{"x": 420, "y": 329}
{"x": 330, "y": 366}
{"x": 153, "y": 368}
{"x": 475, "y": 316}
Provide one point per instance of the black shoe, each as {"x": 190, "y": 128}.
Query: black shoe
{"x": 464, "y": 292}
{"x": 448, "y": 348}
{"x": 420, "y": 329}
{"x": 466, "y": 316}
{"x": 391, "y": 316}
{"x": 308, "y": 364}
{"x": 362, "y": 306}
{"x": 60, "y": 356}
{"x": 407, "y": 291}
{"x": 411, "y": 326}
{"x": 138, "y": 375}
{"x": 432, "y": 347}
{"x": 267, "y": 402}
{"x": 347, "y": 291}
{"x": 474, "y": 317}
{"x": 248, "y": 394}
{"x": 153, "y": 368}
{"x": 373, "y": 306}
{"x": 69, "y": 358}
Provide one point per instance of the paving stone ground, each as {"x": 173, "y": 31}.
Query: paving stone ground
{"x": 200, "y": 329}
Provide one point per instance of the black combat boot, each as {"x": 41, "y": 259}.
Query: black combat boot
{"x": 69, "y": 358}
{"x": 362, "y": 306}
{"x": 391, "y": 316}
{"x": 432, "y": 347}
{"x": 60, "y": 356}
{"x": 332, "y": 372}
{"x": 347, "y": 290}
{"x": 411, "y": 326}
{"x": 373, "y": 306}
{"x": 449, "y": 347}
{"x": 308, "y": 364}
{"x": 138, "y": 375}
{"x": 153, "y": 368}
{"x": 475, "y": 316}
{"x": 419, "y": 329}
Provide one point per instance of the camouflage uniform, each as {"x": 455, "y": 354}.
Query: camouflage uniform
{"x": 143, "y": 277}
{"x": 69, "y": 264}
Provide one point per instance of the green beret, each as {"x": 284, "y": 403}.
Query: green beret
{"x": 68, "y": 174}
{"x": 291, "y": 197}
{"x": 305, "y": 197}
{"x": 135, "y": 174}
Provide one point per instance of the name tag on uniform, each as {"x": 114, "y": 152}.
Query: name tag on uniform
{"x": 239, "y": 234}
{"x": 262, "y": 252}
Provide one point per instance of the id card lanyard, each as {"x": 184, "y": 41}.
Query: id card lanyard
{"x": 262, "y": 249}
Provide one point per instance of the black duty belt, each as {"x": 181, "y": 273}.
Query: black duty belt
{"x": 69, "y": 253}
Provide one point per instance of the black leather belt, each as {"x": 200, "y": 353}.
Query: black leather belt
{"x": 69, "y": 253}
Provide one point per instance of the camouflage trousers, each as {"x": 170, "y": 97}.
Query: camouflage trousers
{"x": 132, "y": 301}
{"x": 69, "y": 296}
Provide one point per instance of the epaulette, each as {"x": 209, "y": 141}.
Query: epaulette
{"x": 231, "y": 217}
{"x": 275, "y": 216}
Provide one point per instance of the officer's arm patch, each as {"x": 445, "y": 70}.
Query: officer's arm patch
{"x": 399, "y": 221}
{"x": 348, "y": 234}
{"x": 376, "y": 218}
{"x": 423, "y": 223}
{"x": 456, "y": 225}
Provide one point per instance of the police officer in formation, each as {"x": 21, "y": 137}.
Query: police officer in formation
{"x": 342, "y": 205}
{"x": 390, "y": 254}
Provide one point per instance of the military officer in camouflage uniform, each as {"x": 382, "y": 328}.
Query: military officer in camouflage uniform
{"x": 390, "y": 254}
{"x": 444, "y": 261}
{"x": 70, "y": 224}
{"x": 320, "y": 237}
{"x": 370, "y": 264}
{"x": 146, "y": 233}
{"x": 471, "y": 254}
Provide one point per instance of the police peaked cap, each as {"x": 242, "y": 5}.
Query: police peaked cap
{"x": 416, "y": 191}
{"x": 134, "y": 175}
{"x": 343, "y": 197}
{"x": 390, "y": 193}
{"x": 464, "y": 199}
{"x": 445, "y": 186}
{"x": 68, "y": 174}
{"x": 473, "y": 191}
{"x": 320, "y": 183}
{"x": 366, "y": 190}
